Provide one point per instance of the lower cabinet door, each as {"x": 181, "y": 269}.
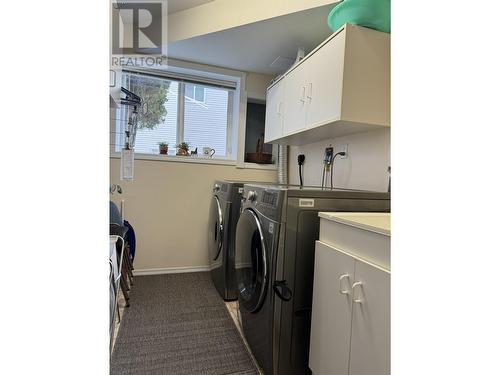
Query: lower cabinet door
{"x": 331, "y": 311}
{"x": 371, "y": 318}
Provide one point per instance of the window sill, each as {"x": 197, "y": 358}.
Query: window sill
{"x": 197, "y": 160}
{"x": 271, "y": 167}
{"x": 179, "y": 159}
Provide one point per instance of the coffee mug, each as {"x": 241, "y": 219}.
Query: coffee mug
{"x": 208, "y": 152}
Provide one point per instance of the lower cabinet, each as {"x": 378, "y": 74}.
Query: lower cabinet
{"x": 350, "y": 329}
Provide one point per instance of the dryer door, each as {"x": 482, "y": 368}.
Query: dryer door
{"x": 215, "y": 230}
{"x": 251, "y": 261}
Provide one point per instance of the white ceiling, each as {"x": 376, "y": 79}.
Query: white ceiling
{"x": 178, "y": 5}
{"x": 173, "y": 6}
{"x": 254, "y": 47}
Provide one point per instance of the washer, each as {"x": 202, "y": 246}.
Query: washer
{"x": 224, "y": 211}
{"x": 275, "y": 242}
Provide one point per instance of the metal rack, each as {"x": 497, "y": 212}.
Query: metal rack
{"x": 134, "y": 101}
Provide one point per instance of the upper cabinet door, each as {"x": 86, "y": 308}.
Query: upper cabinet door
{"x": 324, "y": 87}
{"x": 371, "y": 318}
{"x": 295, "y": 100}
{"x": 331, "y": 311}
{"x": 274, "y": 112}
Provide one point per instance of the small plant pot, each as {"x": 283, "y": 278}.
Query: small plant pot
{"x": 182, "y": 152}
{"x": 163, "y": 150}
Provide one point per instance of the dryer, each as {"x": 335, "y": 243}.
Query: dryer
{"x": 275, "y": 242}
{"x": 223, "y": 215}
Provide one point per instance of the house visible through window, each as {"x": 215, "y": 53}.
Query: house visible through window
{"x": 173, "y": 114}
{"x": 195, "y": 92}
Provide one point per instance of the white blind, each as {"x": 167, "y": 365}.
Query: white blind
{"x": 186, "y": 78}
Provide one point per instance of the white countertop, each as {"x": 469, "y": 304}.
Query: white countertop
{"x": 378, "y": 222}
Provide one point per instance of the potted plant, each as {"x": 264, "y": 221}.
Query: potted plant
{"x": 183, "y": 149}
{"x": 114, "y": 188}
{"x": 163, "y": 148}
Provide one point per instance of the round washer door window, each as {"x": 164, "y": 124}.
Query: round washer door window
{"x": 215, "y": 230}
{"x": 251, "y": 261}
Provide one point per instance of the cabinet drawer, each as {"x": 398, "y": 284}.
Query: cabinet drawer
{"x": 370, "y": 246}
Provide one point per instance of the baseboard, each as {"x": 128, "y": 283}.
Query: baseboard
{"x": 161, "y": 271}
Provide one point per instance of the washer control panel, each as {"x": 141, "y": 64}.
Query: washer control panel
{"x": 266, "y": 200}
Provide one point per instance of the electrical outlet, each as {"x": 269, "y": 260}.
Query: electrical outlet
{"x": 343, "y": 148}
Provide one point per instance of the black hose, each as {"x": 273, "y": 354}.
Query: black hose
{"x": 331, "y": 168}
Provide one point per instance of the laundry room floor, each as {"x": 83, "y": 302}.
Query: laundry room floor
{"x": 178, "y": 324}
{"x": 233, "y": 309}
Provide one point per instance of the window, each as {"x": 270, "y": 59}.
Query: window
{"x": 195, "y": 92}
{"x": 206, "y": 126}
{"x": 175, "y": 112}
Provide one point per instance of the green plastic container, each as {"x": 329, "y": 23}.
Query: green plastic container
{"x": 374, "y": 14}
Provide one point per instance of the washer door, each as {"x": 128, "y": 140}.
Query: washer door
{"x": 215, "y": 230}
{"x": 251, "y": 261}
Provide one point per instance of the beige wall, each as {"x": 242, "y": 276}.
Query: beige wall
{"x": 257, "y": 84}
{"x": 365, "y": 168}
{"x": 224, "y": 14}
{"x": 168, "y": 203}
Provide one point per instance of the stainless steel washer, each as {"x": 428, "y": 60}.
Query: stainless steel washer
{"x": 275, "y": 242}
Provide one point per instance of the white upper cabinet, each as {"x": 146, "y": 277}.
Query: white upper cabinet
{"x": 324, "y": 91}
{"x": 274, "y": 112}
{"x": 341, "y": 87}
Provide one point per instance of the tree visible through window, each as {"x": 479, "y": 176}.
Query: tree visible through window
{"x": 154, "y": 93}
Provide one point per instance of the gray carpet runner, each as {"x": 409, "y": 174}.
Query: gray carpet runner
{"x": 178, "y": 324}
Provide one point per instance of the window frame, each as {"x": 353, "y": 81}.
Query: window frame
{"x": 235, "y": 139}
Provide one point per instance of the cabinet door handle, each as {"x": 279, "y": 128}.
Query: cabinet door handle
{"x": 358, "y": 299}
{"x": 279, "y": 109}
{"x": 309, "y": 96}
{"x": 341, "y": 291}
{"x": 302, "y": 99}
